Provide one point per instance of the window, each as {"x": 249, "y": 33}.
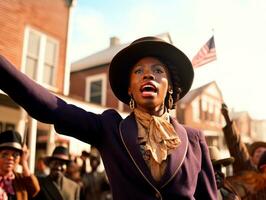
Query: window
{"x": 96, "y": 89}
{"x": 196, "y": 110}
{"x": 204, "y": 107}
{"x": 96, "y": 92}
{"x": 50, "y": 63}
{"x": 40, "y": 57}
{"x": 32, "y": 56}
{"x": 4, "y": 126}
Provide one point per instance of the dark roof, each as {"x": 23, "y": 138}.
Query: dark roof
{"x": 105, "y": 56}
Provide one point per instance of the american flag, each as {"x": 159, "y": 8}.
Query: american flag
{"x": 206, "y": 54}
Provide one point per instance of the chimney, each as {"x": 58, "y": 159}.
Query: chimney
{"x": 114, "y": 41}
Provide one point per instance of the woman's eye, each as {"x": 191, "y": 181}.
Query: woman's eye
{"x": 137, "y": 71}
{"x": 158, "y": 70}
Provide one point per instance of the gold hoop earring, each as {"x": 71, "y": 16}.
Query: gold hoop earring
{"x": 131, "y": 103}
{"x": 170, "y": 99}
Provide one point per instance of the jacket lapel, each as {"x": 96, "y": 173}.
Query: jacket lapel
{"x": 49, "y": 189}
{"x": 176, "y": 158}
{"x": 129, "y": 136}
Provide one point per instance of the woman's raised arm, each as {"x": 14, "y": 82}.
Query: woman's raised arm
{"x": 43, "y": 105}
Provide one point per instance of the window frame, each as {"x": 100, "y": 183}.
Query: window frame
{"x": 41, "y": 57}
{"x": 99, "y": 77}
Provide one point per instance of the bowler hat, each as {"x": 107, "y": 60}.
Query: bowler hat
{"x": 178, "y": 64}
{"x": 10, "y": 139}
{"x": 256, "y": 145}
{"x": 59, "y": 153}
{"x": 216, "y": 158}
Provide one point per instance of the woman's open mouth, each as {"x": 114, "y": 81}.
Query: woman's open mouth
{"x": 148, "y": 90}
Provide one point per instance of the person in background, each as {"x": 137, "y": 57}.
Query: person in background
{"x": 95, "y": 183}
{"x": 14, "y": 185}
{"x": 245, "y": 159}
{"x": 41, "y": 168}
{"x": 73, "y": 172}
{"x": 56, "y": 186}
{"x": 251, "y": 184}
{"x": 225, "y": 189}
{"x": 147, "y": 155}
{"x": 262, "y": 163}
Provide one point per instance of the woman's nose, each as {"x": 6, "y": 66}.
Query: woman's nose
{"x": 148, "y": 75}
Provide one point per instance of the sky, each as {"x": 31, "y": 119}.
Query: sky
{"x": 239, "y": 29}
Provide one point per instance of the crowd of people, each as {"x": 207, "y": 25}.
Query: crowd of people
{"x": 248, "y": 181}
{"x": 147, "y": 155}
{"x": 59, "y": 182}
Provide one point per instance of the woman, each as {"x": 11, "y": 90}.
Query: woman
{"x": 14, "y": 185}
{"x": 148, "y": 155}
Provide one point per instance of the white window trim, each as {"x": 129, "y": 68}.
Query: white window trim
{"x": 40, "y": 64}
{"x": 97, "y": 77}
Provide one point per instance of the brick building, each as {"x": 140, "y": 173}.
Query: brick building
{"x": 34, "y": 37}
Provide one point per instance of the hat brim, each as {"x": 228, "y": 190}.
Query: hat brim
{"x": 11, "y": 145}
{"x": 224, "y": 162}
{"x": 48, "y": 159}
{"x": 122, "y": 62}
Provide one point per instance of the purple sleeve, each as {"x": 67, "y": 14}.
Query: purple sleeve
{"x": 206, "y": 185}
{"x": 45, "y": 106}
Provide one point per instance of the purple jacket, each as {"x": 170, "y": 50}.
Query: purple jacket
{"x": 189, "y": 173}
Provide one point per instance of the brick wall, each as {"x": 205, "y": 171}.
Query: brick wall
{"x": 48, "y": 16}
{"x": 78, "y": 84}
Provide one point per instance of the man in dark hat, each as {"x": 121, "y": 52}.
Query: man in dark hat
{"x": 56, "y": 186}
{"x": 149, "y": 154}
{"x": 14, "y": 185}
{"x": 226, "y": 190}
{"x": 245, "y": 158}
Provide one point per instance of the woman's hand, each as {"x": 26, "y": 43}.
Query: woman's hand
{"x": 24, "y": 160}
{"x": 224, "y": 110}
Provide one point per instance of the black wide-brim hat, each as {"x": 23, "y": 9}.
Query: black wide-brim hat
{"x": 10, "y": 140}
{"x": 178, "y": 64}
{"x": 60, "y": 153}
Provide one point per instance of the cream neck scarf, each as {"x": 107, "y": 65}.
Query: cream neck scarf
{"x": 160, "y": 135}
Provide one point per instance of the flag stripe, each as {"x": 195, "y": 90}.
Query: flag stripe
{"x": 206, "y": 54}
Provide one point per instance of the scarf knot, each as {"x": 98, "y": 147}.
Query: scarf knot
{"x": 160, "y": 135}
